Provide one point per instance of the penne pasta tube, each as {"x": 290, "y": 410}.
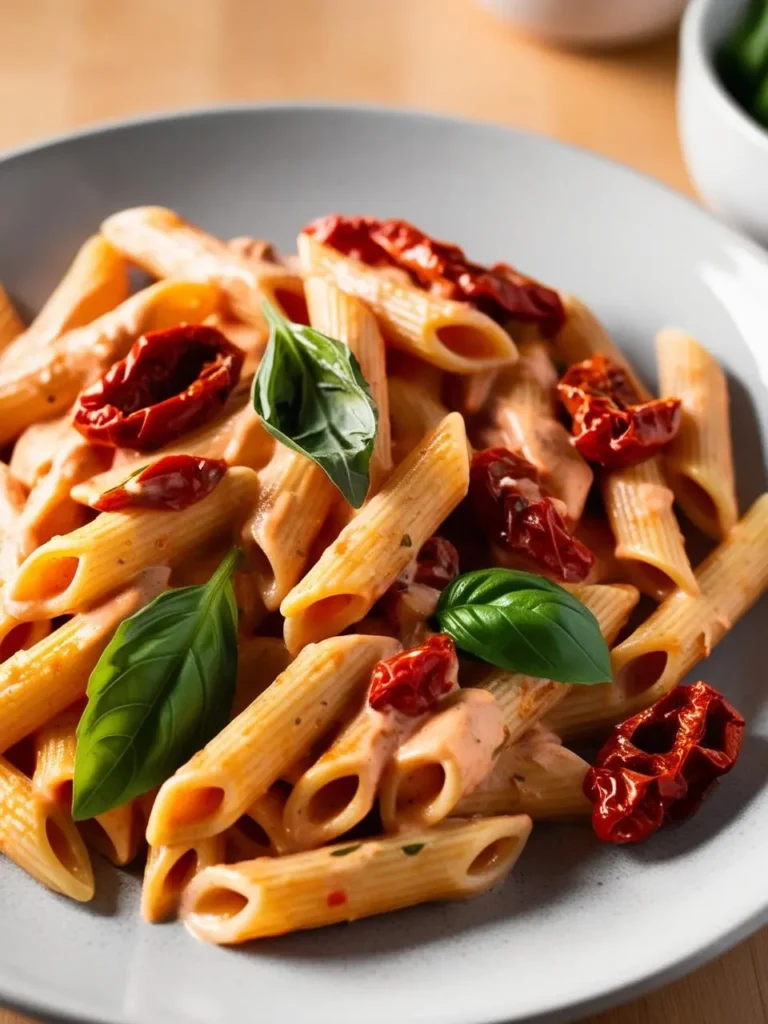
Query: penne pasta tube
{"x": 169, "y": 870}
{"x": 414, "y": 413}
{"x": 96, "y": 282}
{"x": 19, "y": 636}
{"x": 445, "y": 760}
{"x": 340, "y": 788}
{"x": 236, "y": 435}
{"x": 222, "y": 781}
{"x": 11, "y": 324}
{"x": 346, "y": 319}
{"x": 265, "y": 818}
{"x": 118, "y": 834}
{"x": 12, "y": 499}
{"x": 649, "y": 543}
{"x": 294, "y": 501}
{"x": 50, "y": 511}
{"x": 474, "y": 391}
{"x": 369, "y": 553}
{"x": 33, "y": 452}
{"x": 682, "y": 631}
{"x": 451, "y": 335}
{"x": 72, "y": 572}
{"x": 539, "y": 778}
{"x": 583, "y": 336}
{"x": 45, "y": 383}
{"x": 165, "y": 245}
{"x": 37, "y": 684}
{"x": 525, "y": 700}
{"x": 42, "y": 838}
{"x": 699, "y": 461}
{"x": 55, "y": 747}
{"x": 271, "y": 896}
{"x": 524, "y": 411}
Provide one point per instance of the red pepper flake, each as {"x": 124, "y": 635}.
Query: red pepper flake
{"x": 658, "y": 765}
{"x": 414, "y": 681}
{"x": 522, "y": 517}
{"x": 170, "y": 382}
{"x": 173, "y": 482}
{"x": 442, "y": 268}
{"x": 336, "y": 898}
{"x": 612, "y": 426}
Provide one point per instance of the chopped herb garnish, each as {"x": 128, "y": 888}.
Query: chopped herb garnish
{"x": 345, "y": 850}
{"x": 406, "y": 542}
{"x": 413, "y": 848}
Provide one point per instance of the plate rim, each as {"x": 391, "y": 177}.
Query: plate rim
{"x": 71, "y": 1009}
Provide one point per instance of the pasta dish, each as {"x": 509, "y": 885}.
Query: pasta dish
{"x": 324, "y": 577}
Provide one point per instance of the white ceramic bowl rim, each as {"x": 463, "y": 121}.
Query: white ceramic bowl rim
{"x": 699, "y": 51}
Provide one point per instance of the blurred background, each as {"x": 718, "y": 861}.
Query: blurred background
{"x": 602, "y": 74}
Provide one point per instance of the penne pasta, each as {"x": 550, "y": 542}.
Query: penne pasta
{"x": 340, "y": 788}
{"x": 45, "y": 383}
{"x": 525, "y": 700}
{"x": 11, "y": 324}
{"x": 41, "y": 838}
{"x": 649, "y": 543}
{"x": 36, "y": 446}
{"x": 449, "y": 756}
{"x": 19, "y": 636}
{"x": 699, "y": 461}
{"x": 346, "y": 319}
{"x": 369, "y": 553}
{"x": 165, "y": 245}
{"x": 682, "y": 631}
{"x": 537, "y": 777}
{"x": 12, "y": 499}
{"x": 169, "y": 870}
{"x": 524, "y": 412}
{"x": 414, "y": 413}
{"x": 271, "y": 896}
{"x": 38, "y": 683}
{"x": 451, "y": 335}
{"x": 67, "y": 574}
{"x": 266, "y": 819}
{"x": 238, "y": 766}
{"x": 294, "y": 501}
{"x": 96, "y": 282}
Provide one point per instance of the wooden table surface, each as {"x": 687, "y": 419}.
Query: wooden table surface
{"x": 68, "y": 63}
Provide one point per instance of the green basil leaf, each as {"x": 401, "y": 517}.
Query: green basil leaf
{"x": 524, "y": 623}
{"x": 311, "y": 396}
{"x": 160, "y": 691}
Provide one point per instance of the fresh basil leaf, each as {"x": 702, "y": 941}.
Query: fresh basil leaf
{"x": 311, "y": 396}
{"x": 412, "y": 849}
{"x": 345, "y": 850}
{"x": 523, "y": 623}
{"x": 160, "y": 691}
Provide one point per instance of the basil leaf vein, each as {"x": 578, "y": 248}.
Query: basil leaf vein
{"x": 312, "y": 397}
{"x": 162, "y": 688}
{"x": 521, "y": 622}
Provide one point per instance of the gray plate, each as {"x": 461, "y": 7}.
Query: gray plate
{"x": 577, "y": 926}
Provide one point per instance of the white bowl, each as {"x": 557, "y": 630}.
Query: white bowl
{"x": 590, "y": 22}
{"x": 725, "y": 149}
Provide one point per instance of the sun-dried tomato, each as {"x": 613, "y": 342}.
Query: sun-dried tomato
{"x": 414, "y": 681}
{"x": 441, "y": 267}
{"x": 658, "y": 765}
{"x": 170, "y": 382}
{"x": 173, "y": 482}
{"x": 437, "y": 563}
{"x": 521, "y": 517}
{"x": 612, "y": 426}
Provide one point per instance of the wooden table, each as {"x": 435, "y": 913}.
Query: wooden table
{"x": 67, "y": 63}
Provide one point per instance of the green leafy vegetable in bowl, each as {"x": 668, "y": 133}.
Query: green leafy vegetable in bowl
{"x": 742, "y": 61}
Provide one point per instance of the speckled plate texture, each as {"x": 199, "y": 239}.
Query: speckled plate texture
{"x": 577, "y": 925}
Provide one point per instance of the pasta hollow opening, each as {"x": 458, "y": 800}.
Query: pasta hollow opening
{"x": 693, "y": 494}
{"x": 467, "y": 341}
{"x": 333, "y": 799}
{"x": 48, "y": 579}
{"x": 181, "y": 872}
{"x": 492, "y": 856}
{"x": 194, "y": 806}
{"x": 418, "y": 789}
{"x": 641, "y": 673}
{"x": 293, "y": 305}
{"x": 60, "y": 845}
{"x": 15, "y": 640}
{"x": 220, "y": 902}
{"x": 97, "y": 837}
{"x": 655, "y": 580}
{"x": 328, "y": 610}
